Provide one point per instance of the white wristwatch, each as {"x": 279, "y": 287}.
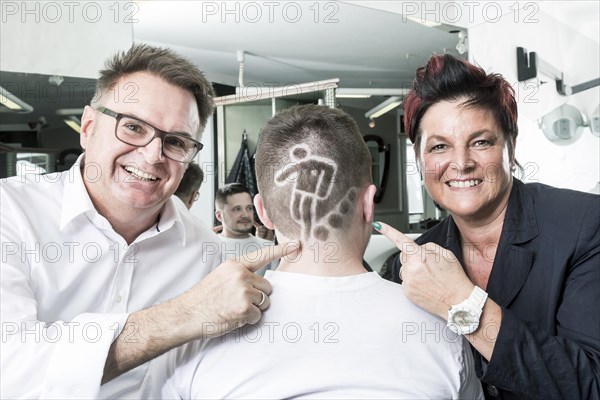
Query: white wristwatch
{"x": 463, "y": 318}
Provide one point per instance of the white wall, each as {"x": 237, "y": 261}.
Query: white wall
{"x": 204, "y": 207}
{"x": 570, "y": 50}
{"x": 63, "y": 38}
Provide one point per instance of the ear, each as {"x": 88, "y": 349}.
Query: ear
{"x": 88, "y": 120}
{"x": 514, "y": 150}
{"x": 190, "y": 201}
{"x": 262, "y": 213}
{"x": 219, "y": 216}
{"x": 369, "y": 203}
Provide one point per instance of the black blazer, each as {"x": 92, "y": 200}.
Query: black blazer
{"x": 546, "y": 278}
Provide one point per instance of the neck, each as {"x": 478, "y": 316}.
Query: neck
{"x": 122, "y": 223}
{"x": 325, "y": 259}
{"x": 482, "y": 234}
{"x": 126, "y": 222}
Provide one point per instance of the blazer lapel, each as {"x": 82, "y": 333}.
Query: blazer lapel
{"x": 514, "y": 259}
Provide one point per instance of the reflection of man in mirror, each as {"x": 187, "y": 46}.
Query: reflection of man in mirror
{"x": 313, "y": 178}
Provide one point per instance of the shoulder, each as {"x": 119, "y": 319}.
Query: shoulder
{"x": 30, "y": 190}
{"x": 546, "y": 196}
{"x": 196, "y": 231}
{"x": 31, "y": 183}
{"x": 562, "y": 207}
{"x": 263, "y": 242}
{"x": 389, "y": 294}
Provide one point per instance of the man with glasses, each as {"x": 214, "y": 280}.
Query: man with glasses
{"x": 101, "y": 269}
{"x": 189, "y": 188}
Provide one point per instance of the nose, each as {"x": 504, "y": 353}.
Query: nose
{"x": 152, "y": 152}
{"x": 463, "y": 161}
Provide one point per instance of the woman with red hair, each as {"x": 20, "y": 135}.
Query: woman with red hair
{"x": 515, "y": 268}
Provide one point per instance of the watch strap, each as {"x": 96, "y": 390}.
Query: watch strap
{"x": 474, "y": 305}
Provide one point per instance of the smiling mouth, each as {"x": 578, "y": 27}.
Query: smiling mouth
{"x": 141, "y": 175}
{"x": 464, "y": 184}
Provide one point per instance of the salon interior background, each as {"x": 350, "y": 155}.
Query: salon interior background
{"x": 50, "y": 53}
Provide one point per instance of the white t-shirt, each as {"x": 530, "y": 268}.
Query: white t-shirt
{"x": 69, "y": 281}
{"x": 324, "y": 337}
{"x": 232, "y": 248}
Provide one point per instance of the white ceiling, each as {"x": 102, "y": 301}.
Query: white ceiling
{"x": 363, "y": 47}
{"x": 363, "y": 43}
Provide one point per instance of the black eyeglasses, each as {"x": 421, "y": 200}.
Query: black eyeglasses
{"x": 135, "y": 132}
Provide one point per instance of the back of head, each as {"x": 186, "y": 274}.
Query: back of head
{"x": 163, "y": 63}
{"x": 311, "y": 165}
{"x": 227, "y": 190}
{"x": 191, "y": 181}
{"x": 447, "y": 78}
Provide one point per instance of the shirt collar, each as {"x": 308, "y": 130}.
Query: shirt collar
{"x": 171, "y": 216}
{"x": 77, "y": 201}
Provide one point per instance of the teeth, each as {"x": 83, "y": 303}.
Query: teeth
{"x": 464, "y": 184}
{"x": 140, "y": 174}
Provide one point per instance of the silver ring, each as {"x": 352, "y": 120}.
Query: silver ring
{"x": 262, "y": 299}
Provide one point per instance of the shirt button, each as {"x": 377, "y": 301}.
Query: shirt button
{"x": 492, "y": 390}
{"x": 118, "y": 298}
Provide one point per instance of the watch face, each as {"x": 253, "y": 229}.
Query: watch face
{"x": 463, "y": 318}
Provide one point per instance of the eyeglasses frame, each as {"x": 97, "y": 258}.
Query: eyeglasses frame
{"x": 158, "y": 133}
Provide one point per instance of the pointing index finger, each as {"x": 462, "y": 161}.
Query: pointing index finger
{"x": 403, "y": 242}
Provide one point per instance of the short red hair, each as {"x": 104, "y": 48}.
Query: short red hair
{"x": 448, "y": 78}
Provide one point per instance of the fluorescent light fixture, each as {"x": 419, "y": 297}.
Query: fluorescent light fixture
{"x": 352, "y": 96}
{"x": 384, "y": 107}
{"x": 74, "y": 123}
{"x": 421, "y": 21}
{"x": 12, "y": 103}
{"x": 369, "y": 92}
{"x": 256, "y": 93}
{"x": 69, "y": 111}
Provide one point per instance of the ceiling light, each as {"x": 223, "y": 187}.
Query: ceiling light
{"x": 352, "y": 96}
{"x": 12, "y": 103}
{"x": 421, "y": 21}
{"x": 369, "y": 92}
{"x": 74, "y": 123}
{"x": 69, "y": 111}
{"x": 384, "y": 107}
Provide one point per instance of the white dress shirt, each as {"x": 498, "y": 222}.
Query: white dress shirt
{"x": 69, "y": 282}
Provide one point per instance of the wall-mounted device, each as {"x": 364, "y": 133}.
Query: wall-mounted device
{"x": 595, "y": 122}
{"x": 528, "y": 65}
{"x": 563, "y": 125}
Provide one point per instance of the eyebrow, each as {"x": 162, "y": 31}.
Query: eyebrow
{"x": 180, "y": 133}
{"x": 471, "y": 135}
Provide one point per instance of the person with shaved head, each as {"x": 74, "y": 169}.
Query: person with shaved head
{"x": 332, "y": 330}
